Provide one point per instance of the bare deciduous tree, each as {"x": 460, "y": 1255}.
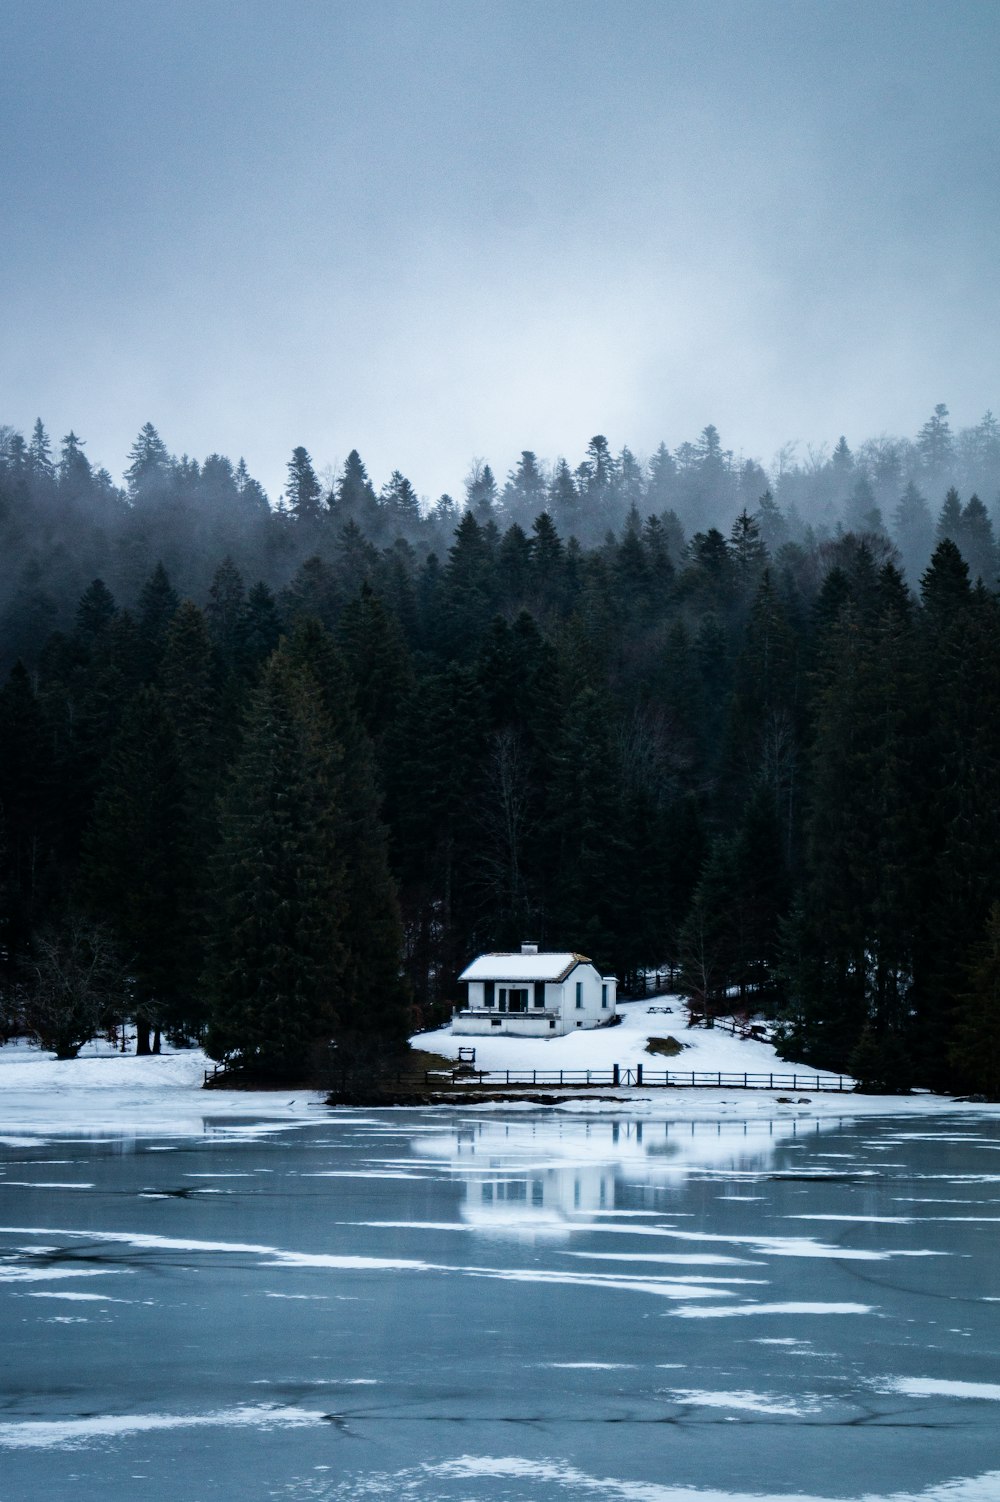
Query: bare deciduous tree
{"x": 72, "y": 981}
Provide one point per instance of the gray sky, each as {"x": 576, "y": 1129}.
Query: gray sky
{"x": 442, "y": 229}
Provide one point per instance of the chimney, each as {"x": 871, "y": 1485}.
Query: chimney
{"x": 529, "y": 948}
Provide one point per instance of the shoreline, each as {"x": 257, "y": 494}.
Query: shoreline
{"x": 106, "y": 1093}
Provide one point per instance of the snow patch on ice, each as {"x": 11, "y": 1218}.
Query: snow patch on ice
{"x": 66, "y": 1434}
{"x": 90, "y": 1298}
{"x": 748, "y": 1402}
{"x": 578, "y": 1483}
{"x": 936, "y": 1387}
{"x": 790, "y": 1307}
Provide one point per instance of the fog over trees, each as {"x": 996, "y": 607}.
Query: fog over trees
{"x": 273, "y": 770}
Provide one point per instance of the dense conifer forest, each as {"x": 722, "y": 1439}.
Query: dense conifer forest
{"x": 270, "y": 774}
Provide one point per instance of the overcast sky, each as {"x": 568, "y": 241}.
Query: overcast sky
{"x": 442, "y": 229}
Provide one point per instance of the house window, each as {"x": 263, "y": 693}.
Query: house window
{"x": 552, "y": 1022}
{"x": 604, "y": 997}
{"x": 579, "y": 995}
{"x": 487, "y": 993}
{"x": 539, "y": 993}
{"x": 503, "y": 998}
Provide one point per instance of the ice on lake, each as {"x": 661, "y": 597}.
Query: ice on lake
{"x": 453, "y": 1305}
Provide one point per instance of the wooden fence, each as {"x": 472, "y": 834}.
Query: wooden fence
{"x": 639, "y": 1075}
{"x": 465, "y": 1077}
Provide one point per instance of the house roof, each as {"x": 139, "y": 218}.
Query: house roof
{"x": 523, "y": 967}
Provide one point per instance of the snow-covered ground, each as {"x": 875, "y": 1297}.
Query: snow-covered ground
{"x": 104, "y": 1091}
{"x": 600, "y": 1047}
{"x": 704, "y": 1049}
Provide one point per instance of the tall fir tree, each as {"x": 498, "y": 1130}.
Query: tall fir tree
{"x": 134, "y": 873}
{"x": 275, "y": 976}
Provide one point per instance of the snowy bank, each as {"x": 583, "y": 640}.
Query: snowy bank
{"x": 159, "y": 1095}
{"x": 704, "y": 1050}
{"x": 104, "y": 1092}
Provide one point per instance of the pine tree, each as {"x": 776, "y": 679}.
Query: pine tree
{"x": 261, "y": 628}
{"x": 861, "y": 512}
{"x": 661, "y": 490}
{"x": 772, "y": 523}
{"x": 75, "y": 475}
{"x": 584, "y": 829}
{"x": 842, "y": 460}
{"x": 28, "y": 811}
{"x": 949, "y": 524}
{"x": 481, "y": 492}
{"x": 354, "y": 496}
{"x": 157, "y": 605}
{"x": 524, "y": 492}
{"x": 975, "y": 1049}
{"x": 376, "y": 659}
{"x": 935, "y": 443}
{"x": 96, "y": 610}
{"x": 564, "y": 499}
{"x": 431, "y": 769}
{"x": 470, "y": 587}
{"x": 960, "y": 670}
{"x": 40, "y": 456}
{"x": 857, "y": 928}
{"x": 275, "y": 978}
{"x": 312, "y": 593}
{"x": 400, "y": 501}
{"x": 149, "y": 470}
{"x": 225, "y": 611}
{"x": 374, "y": 1014}
{"x": 302, "y": 489}
{"x": 134, "y": 871}
{"x": 913, "y": 529}
{"x": 356, "y": 560}
{"x": 514, "y": 565}
{"x": 978, "y": 543}
{"x": 749, "y": 555}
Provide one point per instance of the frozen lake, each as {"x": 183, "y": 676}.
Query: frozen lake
{"x": 462, "y": 1307}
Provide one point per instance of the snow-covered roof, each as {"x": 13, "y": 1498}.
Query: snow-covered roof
{"x": 526, "y": 967}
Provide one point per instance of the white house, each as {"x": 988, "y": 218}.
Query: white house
{"x": 534, "y": 995}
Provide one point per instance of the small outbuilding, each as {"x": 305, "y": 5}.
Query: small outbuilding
{"x": 532, "y": 995}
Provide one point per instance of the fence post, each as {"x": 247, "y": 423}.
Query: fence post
{"x": 615, "y": 1075}
{"x": 638, "y": 1074}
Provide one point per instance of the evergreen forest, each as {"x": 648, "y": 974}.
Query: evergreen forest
{"x": 272, "y": 772}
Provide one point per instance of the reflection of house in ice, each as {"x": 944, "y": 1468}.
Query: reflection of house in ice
{"x": 543, "y": 1198}
{"x": 547, "y": 1177}
{"x": 524, "y": 1175}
